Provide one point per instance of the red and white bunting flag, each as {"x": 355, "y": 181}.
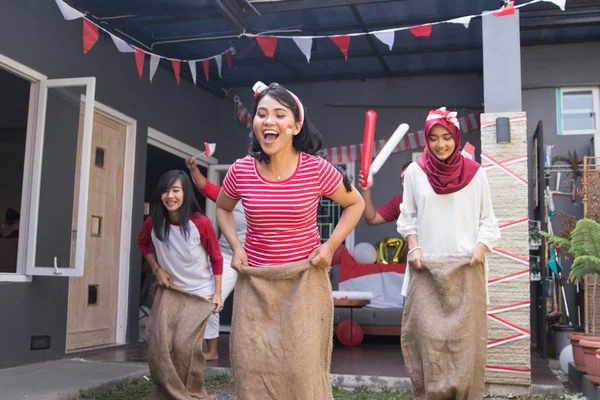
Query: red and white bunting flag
{"x": 209, "y": 149}
{"x": 219, "y": 61}
{"x": 90, "y": 35}
{"x": 462, "y": 20}
{"x": 468, "y": 151}
{"x": 268, "y": 44}
{"x": 305, "y": 46}
{"x": 192, "y": 65}
{"x": 206, "y": 67}
{"x": 228, "y": 55}
{"x": 559, "y": 3}
{"x": 139, "y": 61}
{"x": 68, "y": 12}
{"x": 505, "y": 10}
{"x": 343, "y": 42}
{"x": 154, "y": 60}
{"x": 387, "y": 38}
{"x": 421, "y": 30}
{"x": 121, "y": 45}
{"x": 176, "y": 70}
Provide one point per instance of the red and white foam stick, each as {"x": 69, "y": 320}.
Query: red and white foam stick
{"x": 387, "y": 149}
{"x": 367, "y": 148}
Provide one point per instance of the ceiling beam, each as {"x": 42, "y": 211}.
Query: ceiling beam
{"x": 369, "y": 38}
{"x": 265, "y": 7}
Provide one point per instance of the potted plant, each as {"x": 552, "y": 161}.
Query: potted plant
{"x": 583, "y": 245}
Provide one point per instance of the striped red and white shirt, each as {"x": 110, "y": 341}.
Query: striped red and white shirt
{"x": 282, "y": 215}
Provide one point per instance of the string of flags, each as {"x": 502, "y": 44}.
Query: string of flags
{"x": 268, "y": 43}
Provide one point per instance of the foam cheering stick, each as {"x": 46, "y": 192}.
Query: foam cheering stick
{"x": 367, "y": 148}
{"x": 387, "y": 150}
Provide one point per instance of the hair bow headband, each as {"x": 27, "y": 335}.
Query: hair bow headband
{"x": 445, "y": 114}
{"x": 260, "y": 87}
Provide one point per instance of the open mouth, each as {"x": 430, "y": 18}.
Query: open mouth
{"x": 270, "y": 136}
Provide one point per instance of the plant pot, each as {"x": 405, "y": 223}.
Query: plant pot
{"x": 578, "y": 355}
{"x": 592, "y": 364}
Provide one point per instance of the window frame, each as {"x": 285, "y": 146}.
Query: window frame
{"x": 560, "y": 92}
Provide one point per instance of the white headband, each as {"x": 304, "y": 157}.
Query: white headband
{"x": 259, "y": 87}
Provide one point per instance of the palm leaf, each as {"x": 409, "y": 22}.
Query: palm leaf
{"x": 560, "y": 241}
{"x": 585, "y": 239}
{"x": 582, "y": 266}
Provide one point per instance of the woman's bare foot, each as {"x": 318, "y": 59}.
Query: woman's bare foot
{"x": 211, "y": 356}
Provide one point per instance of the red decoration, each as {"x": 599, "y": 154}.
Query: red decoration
{"x": 367, "y": 149}
{"x": 228, "y": 58}
{"x": 507, "y": 10}
{"x": 349, "y": 333}
{"x": 176, "y": 70}
{"x": 90, "y": 35}
{"x": 206, "y": 67}
{"x": 139, "y": 61}
{"x": 421, "y": 30}
{"x": 268, "y": 44}
{"x": 343, "y": 42}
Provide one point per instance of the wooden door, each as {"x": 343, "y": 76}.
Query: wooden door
{"x": 93, "y": 298}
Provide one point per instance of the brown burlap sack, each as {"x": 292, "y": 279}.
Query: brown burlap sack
{"x": 174, "y": 332}
{"x": 444, "y": 330}
{"x": 282, "y": 333}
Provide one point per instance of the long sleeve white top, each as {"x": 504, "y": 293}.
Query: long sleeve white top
{"x": 447, "y": 224}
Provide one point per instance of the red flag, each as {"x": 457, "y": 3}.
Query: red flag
{"x": 507, "y": 10}
{"x": 206, "y": 66}
{"x": 228, "y": 58}
{"x": 90, "y": 35}
{"x": 139, "y": 61}
{"x": 343, "y": 42}
{"x": 176, "y": 70}
{"x": 421, "y": 30}
{"x": 268, "y": 44}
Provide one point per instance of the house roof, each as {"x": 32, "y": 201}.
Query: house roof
{"x": 195, "y": 29}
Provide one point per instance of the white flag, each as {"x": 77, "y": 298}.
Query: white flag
{"x": 154, "y": 60}
{"x": 192, "y": 65}
{"x": 122, "y": 45}
{"x": 560, "y": 3}
{"x": 462, "y": 20}
{"x": 68, "y": 12}
{"x": 219, "y": 61}
{"x": 386, "y": 38}
{"x": 305, "y": 46}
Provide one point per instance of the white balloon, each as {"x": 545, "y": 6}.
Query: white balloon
{"x": 566, "y": 357}
{"x": 364, "y": 253}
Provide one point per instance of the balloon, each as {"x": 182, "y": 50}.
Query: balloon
{"x": 367, "y": 149}
{"x": 566, "y": 357}
{"x": 387, "y": 149}
{"x": 364, "y": 253}
{"x": 382, "y": 250}
{"x": 349, "y": 333}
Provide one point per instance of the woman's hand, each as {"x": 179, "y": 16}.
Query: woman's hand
{"x": 369, "y": 184}
{"x": 321, "y": 256}
{"x": 239, "y": 259}
{"x": 415, "y": 258}
{"x": 218, "y": 301}
{"x": 478, "y": 254}
{"x": 163, "y": 278}
{"x": 191, "y": 163}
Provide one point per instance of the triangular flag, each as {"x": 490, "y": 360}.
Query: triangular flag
{"x": 386, "y": 38}
{"x": 206, "y": 67}
{"x": 176, "y": 70}
{"x": 228, "y": 58}
{"x": 343, "y": 42}
{"x": 121, "y": 45}
{"x": 192, "y": 65}
{"x": 305, "y": 46}
{"x": 462, "y": 20}
{"x": 209, "y": 149}
{"x": 421, "y": 30}
{"x": 560, "y": 3}
{"x": 154, "y": 60}
{"x": 90, "y": 35}
{"x": 468, "y": 151}
{"x": 139, "y": 61}
{"x": 505, "y": 10}
{"x": 68, "y": 12}
{"x": 219, "y": 61}
{"x": 268, "y": 44}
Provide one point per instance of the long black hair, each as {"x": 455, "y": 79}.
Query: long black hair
{"x": 309, "y": 140}
{"x": 160, "y": 214}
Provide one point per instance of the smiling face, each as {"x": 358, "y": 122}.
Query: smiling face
{"x": 440, "y": 142}
{"x": 172, "y": 198}
{"x": 274, "y": 125}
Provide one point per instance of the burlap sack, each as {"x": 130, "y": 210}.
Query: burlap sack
{"x": 444, "y": 330}
{"x": 174, "y": 332}
{"x": 282, "y": 333}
